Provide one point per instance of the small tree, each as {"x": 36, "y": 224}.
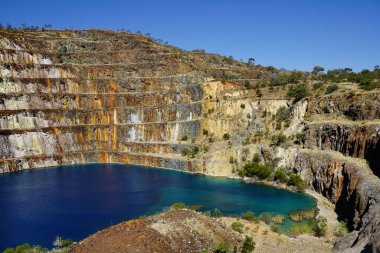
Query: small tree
{"x": 298, "y": 92}
{"x": 251, "y": 61}
{"x": 217, "y": 213}
{"x": 249, "y": 216}
{"x": 318, "y": 69}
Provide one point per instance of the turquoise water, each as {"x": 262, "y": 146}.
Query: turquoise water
{"x": 75, "y": 201}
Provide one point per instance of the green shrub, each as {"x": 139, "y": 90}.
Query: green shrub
{"x": 317, "y": 86}
{"x": 185, "y": 151}
{"x": 331, "y": 88}
{"x": 249, "y": 216}
{"x": 298, "y": 92}
{"x": 248, "y": 85}
{"x": 178, "y": 205}
{"x": 266, "y": 218}
{"x": 256, "y": 158}
{"x": 296, "y": 180}
{"x": 300, "y": 138}
{"x": 181, "y": 205}
{"x": 260, "y": 170}
{"x": 274, "y": 228}
{"x": 285, "y": 79}
{"x": 217, "y": 213}
{"x": 223, "y": 247}
{"x": 278, "y": 139}
{"x": 26, "y": 248}
{"x": 280, "y": 175}
{"x": 283, "y": 114}
{"x": 194, "y": 151}
{"x": 259, "y": 93}
{"x": 205, "y": 132}
{"x": 242, "y": 106}
{"x": 321, "y": 228}
{"x": 278, "y": 125}
{"x": 237, "y": 226}
{"x": 299, "y": 229}
{"x": 184, "y": 138}
{"x": 226, "y": 136}
{"x": 341, "y": 229}
{"x": 318, "y": 69}
{"x": 248, "y": 245}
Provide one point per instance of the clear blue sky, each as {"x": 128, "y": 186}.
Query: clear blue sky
{"x": 293, "y": 34}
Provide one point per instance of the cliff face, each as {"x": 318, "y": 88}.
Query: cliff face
{"x": 78, "y": 97}
{"x": 71, "y": 97}
{"x": 353, "y": 140}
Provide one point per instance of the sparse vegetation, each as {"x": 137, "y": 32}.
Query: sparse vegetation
{"x": 185, "y": 151}
{"x": 368, "y": 80}
{"x": 321, "y": 227}
{"x": 181, "y": 205}
{"x": 223, "y": 247}
{"x": 256, "y": 169}
{"x": 226, "y": 136}
{"x": 279, "y": 139}
{"x": 280, "y": 176}
{"x": 237, "y": 226}
{"x": 341, "y": 229}
{"x": 60, "y": 246}
{"x": 300, "y": 138}
{"x": 190, "y": 153}
{"x": 249, "y": 216}
{"x": 303, "y": 214}
{"x": 298, "y": 92}
{"x": 331, "y": 88}
{"x": 299, "y": 229}
{"x": 248, "y": 245}
{"x": 217, "y": 213}
{"x": 296, "y": 180}
{"x": 293, "y": 78}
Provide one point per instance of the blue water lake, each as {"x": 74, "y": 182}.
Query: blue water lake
{"x": 78, "y": 200}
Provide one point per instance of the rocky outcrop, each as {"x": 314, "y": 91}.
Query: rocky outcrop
{"x": 364, "y": 106}
{"x": 354, "y": 190}
{"x": 362, "y": 141}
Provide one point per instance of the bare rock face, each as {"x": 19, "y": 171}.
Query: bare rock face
{"x": 354, "y": 190}
{"x": 352, "y": 106}
{"x": 362, "y": 141}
